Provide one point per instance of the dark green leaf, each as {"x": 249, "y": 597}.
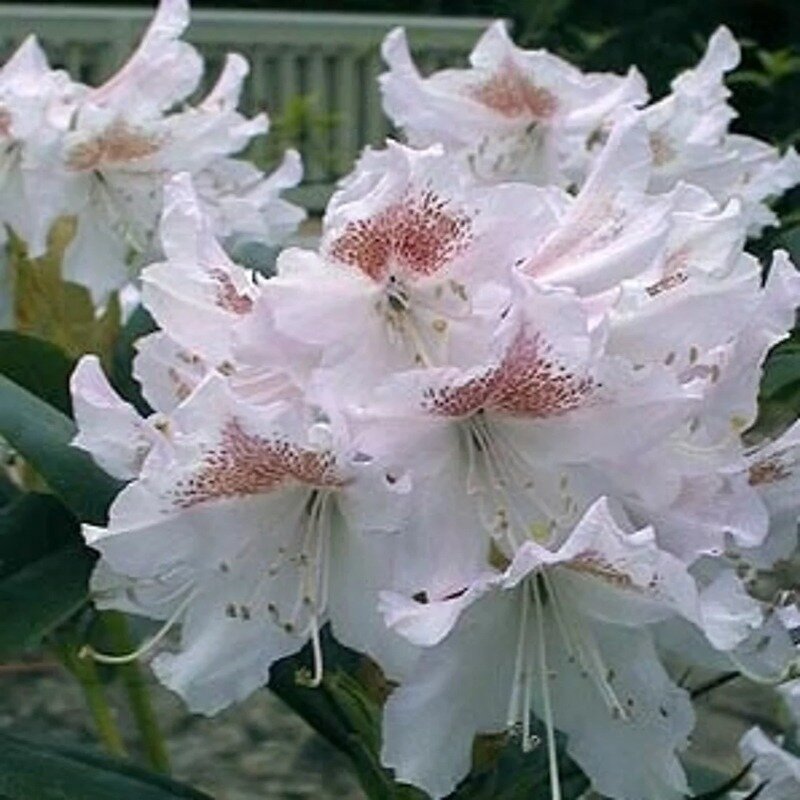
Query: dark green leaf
{"x": 34, "y": 771}
{"x": 39, "y": 597}
{"x": 38, "y": 366}
{"x": 782, "y": 372}
{"x": 721, "y": 791}
{"x": 42, "y": 435}
{"x": 31, "y": 527}
{"x": 139, "y": 324}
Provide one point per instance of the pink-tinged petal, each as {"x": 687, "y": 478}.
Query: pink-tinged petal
{"x": 773, "y": 472}
{"x": 458, "y": 689}
{"x": 167, "y": 372}
{"x": 223, "y": 659}
{"x": 245, "y": 204}
{"x": 633, "y": 754}
{"x": 197, "y": 282}
{"x": 161, "y": 72}
{"x": 774, "y": 767}
{"x": 108, "y": 427}
{"x": 613, "y": 230}
{"x": 426, "y": 621}
{"x": 729, "y": 614}
{"x": 612, "y": 574}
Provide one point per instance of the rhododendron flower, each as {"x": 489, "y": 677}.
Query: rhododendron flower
{"x": 690, "y": 140}
{"x": 563, "y": 632}
{"x": 101, "y": 155}
{"x": 776, "y": 770}
{"x": 126, "y": 138}
{"x": 35, "y": 106}
{"x": 526, "y": 115}
{"x": 513, "y": 114}
{"x": 211, "y": 315}
{"x": 229, "y": 528}
{"x": 411, "y": 267}
{"x": 490, "y": 431}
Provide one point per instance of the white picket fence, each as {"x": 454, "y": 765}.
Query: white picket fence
{"x": 330, "y": 59}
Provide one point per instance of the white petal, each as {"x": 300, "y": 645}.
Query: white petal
{"x": 459, "y": 689}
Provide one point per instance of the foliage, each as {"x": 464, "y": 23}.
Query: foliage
{"x": 31, "y": 770}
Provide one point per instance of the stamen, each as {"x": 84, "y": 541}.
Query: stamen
{"x": 587, "y": 651}
{"x": 316, "y": 649}
{"x": 418, "y": 341}
{"x": 87, "y": 651}
{"x": 555, "y": 782}
{"x": 513, "y": 706}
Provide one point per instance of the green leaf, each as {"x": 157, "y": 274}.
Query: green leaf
{"x": 38, "y": 366}
{"x": 722, "y": 789}
{"x": 42, "y": 435}
{"x": 35, "y": 771}
{"x": 44, "y": 570}
{"x": 139, "y": 324}
{"x": 41, "y": 596}
{"x": 33, "y": 526}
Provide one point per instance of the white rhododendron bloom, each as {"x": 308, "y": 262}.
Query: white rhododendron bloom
{"x": 512, "y": 115}
{"x": 527, "y": 115}
{"x": 101, "y": 155}
{"x": 35, "y": 106}
{"x": 490, "y": 431}
{"x": 774, "y": 768}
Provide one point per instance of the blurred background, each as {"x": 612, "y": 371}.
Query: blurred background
{"x": 314, "y": 64}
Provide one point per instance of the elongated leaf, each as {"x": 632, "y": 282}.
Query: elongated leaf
{"x": 38, "y": 366}
{"x": 44, "y": 570}
{"x": 724, "y": 787}
{"x": 139, "y": 324}
{"x": 33, "y": 526}
{"x": 42, "y": 435}
{"x": 39, "y": 597}
{"x": 35, "y": 771}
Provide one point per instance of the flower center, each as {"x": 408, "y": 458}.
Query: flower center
{"x": 118, "y": 144}
{"x": 512, "y": 94}
{"x": 414, "y": 238}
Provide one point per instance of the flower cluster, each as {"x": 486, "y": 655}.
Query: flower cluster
{"x": 527, "y": 115}
{"x": 490, "y": 431}
{"x": 100, "y": 155}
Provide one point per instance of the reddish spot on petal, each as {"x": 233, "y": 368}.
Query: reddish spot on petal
{"x": 529, "y": 382}
{"x": 512, "y": 94}
{"x": 117, "y": 144}
{"x": 418, "y": 236}
{"x": 665, "y": 284}
{"x": 5, "y": 122}
{"x": 244, "y": 464}
{"x": 596, "y": 565}
{"x": 768, "y": 471}
{"x": 228, "y": 297}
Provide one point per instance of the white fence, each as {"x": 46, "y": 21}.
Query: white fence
{"x": 329, "y": 59}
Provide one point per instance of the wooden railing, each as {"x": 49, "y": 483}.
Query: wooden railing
{"x": 330, "y": 60}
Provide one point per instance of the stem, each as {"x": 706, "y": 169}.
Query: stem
{"x": 138, "y": 695}
{"x": 85, "y": 672}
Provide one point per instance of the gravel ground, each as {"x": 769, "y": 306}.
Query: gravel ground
{"x": 257, "y": 751}
{"x": 261, "y": 751}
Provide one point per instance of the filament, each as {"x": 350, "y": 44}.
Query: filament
{"x": 555, "y": 782}
{"x": 87, "y": 651}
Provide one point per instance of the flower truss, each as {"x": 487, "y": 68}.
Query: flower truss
{"x": 490, "y": 431}
{"x": 101, "y": 155}
{"x": 527, "y": 115}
